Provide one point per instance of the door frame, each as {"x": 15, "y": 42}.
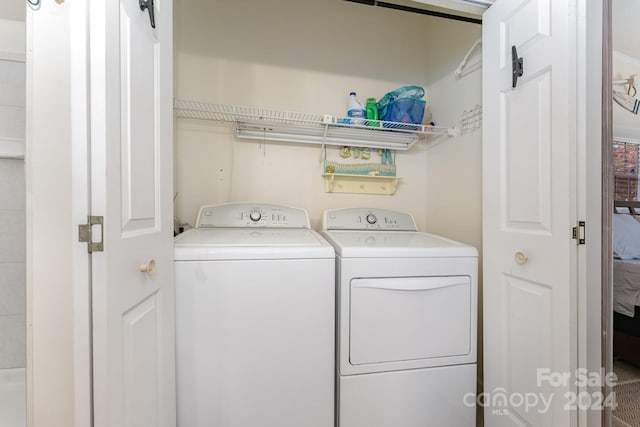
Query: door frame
{"x": 56, "y": 173}
{"x": 607, "y": 204}
{"x": 68, "y": 20}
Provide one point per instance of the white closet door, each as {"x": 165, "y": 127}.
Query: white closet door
{"x": 529, "y": 209}
{"x": 131, "y": 185}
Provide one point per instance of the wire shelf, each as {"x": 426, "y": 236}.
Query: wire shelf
{"x": 269, "y": 124}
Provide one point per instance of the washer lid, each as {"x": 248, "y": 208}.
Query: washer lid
{"x": 254, "y": 243}
{"x": 395, "y": 244}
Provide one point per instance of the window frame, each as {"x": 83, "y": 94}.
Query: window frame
{"x": 626, "y": 135}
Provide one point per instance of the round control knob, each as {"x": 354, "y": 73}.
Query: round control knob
{"x": 255, "y": 216}
{"x": 371, "y": 219}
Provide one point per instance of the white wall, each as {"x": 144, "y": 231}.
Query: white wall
{"x": 12, "y": 103}
{"x": 12, "y": 264}
{"x": 454, "y": 174}
{"x": 12, "y": 215}
{"x": 306, "y": 56}
{"x": 591, "y": 60}
{"x": 12, "y": 39}
{"x": 626, "y": 62}
{"x": 12, "y": 186}
{"x": 625, "y": 121}
{"x": 51, "y": 229}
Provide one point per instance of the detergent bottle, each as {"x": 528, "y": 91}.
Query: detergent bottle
{"x": 356, "y": 110}
{"x": 372, "y": 112}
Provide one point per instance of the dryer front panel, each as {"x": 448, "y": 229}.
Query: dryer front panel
{"x": 409, "y": 318}
{"x": 398, "y": 314}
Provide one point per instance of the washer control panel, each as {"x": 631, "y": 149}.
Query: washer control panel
{"x": 243, "y": 215}
{"x": 367, "y": 219}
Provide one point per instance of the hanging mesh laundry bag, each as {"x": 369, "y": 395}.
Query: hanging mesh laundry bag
{"x": 403, "y": 105}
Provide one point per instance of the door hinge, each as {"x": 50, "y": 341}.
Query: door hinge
{"x": 85, "y": 234}
{"x": 579, "y": 232}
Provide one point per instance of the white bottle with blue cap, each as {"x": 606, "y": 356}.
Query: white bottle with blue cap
{"x": 355, "y": 110}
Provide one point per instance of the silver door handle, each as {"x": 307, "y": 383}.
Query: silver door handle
{"x": 411, "y": 283}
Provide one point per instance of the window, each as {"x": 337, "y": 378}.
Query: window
{"x": 626, "y": 162}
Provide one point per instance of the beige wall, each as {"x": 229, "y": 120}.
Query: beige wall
{"x": 13, "y": 10}
{"x": 454, "y": 175}
{"x": 302, "y": 55}
{"x": 454, "y": 171}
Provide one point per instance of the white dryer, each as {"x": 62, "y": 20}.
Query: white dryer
{"x": 255, "y": 316}
{"x": 406, "y": 322}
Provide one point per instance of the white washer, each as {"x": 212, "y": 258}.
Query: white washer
{"x": 255, "y": 319}
{"x": 407, "y": 322}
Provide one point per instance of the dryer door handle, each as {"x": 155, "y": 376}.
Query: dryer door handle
{"x": 411, "y": 283}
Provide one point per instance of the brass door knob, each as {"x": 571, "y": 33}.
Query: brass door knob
{"x": 149, "y": 268}
{"x": 521, "y": 257}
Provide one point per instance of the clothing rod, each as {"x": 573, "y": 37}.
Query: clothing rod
{"x": 463, "y": 63}
{"x": 417, "y": 10}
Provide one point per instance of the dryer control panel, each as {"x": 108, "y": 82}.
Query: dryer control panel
{"x": 367, "y": 219}
{"x": 249, "y": 215}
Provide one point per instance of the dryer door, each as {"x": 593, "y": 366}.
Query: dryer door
{"x": 410, "y": 318}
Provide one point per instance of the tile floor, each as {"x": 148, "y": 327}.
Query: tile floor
{"x": 13, "y": 406}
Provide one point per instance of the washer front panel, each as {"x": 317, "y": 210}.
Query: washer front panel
{"x": 255, "y": 343}
{"x": 367, "y": 219}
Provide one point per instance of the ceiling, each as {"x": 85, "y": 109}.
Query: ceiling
{"x": 625, "y": 26}
{"x": 625, "y": 20}
{"x": 14, "y": 10}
